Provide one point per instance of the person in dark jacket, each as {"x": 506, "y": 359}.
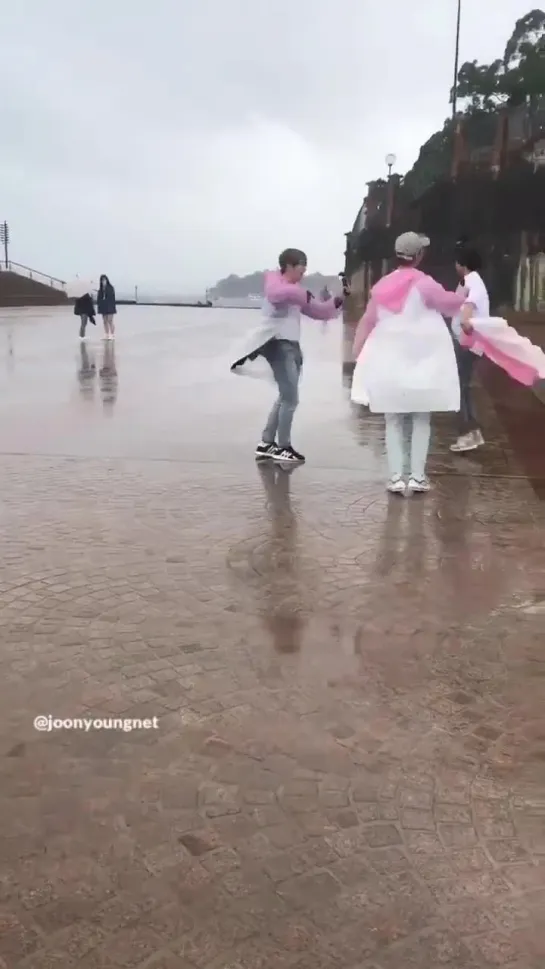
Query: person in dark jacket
{"x": 85, "y": 309}
{"x": 106, "y": 306}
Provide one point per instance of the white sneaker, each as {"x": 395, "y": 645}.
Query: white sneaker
{"x": 396, "y": 485}
{"x": 418, "y": 485}
{"x": 468, "y": 442}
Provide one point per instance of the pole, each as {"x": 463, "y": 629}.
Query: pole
{"x": 456, "y": 61}
{"x": 4, "y": 236}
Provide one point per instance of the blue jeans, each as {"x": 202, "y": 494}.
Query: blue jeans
{"x": 407, "y": 455}
{"x": 466, "y": 361}
{"x": 286, "y": 361}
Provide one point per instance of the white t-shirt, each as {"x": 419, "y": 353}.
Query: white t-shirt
{"x": 477, "y": 294}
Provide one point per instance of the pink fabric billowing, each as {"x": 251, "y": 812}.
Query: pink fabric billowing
{"x": 391, "y": 292}
{"x": 278, "y": 291}
{"x": 501, "y": 343}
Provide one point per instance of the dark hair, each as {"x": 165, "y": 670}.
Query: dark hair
{"x": 469, "y": 258}
{"x": 291, "y": 257}
{"x": 104, "y": 276}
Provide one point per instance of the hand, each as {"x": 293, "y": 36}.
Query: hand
{"x": 467, "y": 327}
{"x": 338, "y": 302}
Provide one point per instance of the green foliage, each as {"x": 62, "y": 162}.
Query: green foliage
{"x": 516, "y": 78}
{"x": 480, "y": 84}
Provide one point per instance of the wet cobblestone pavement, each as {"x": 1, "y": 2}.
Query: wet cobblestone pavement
{"x": 349, "y": 766}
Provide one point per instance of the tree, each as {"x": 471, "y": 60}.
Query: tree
{"x": 517, "y": 77}
{"x": 480, "y": 84}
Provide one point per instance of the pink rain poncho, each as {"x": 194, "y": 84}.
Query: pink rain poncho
{"x": 405, "y": 355}
{"x": 501, "y": 343}
{"x": 283, "y": 305}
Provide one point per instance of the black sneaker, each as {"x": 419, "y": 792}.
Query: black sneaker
{"x": 264, "y": 450}
{"x": 287, "y": 455}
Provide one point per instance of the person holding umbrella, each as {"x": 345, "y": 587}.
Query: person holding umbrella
{"x": 80, "y": 291}
{"x": 85, "y": 309}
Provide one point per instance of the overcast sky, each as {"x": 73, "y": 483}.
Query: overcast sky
{"x": 169, "y": 143}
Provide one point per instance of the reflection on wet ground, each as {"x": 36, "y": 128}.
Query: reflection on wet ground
{"x": 108, "y": 375}
{"x": 87, "y": 372}
{"x": 349, "y": 770}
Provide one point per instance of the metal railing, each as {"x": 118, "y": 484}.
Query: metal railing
{"x": 44, "y": 278}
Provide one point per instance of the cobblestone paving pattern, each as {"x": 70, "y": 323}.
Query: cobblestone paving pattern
{"x": 349, "y": 769}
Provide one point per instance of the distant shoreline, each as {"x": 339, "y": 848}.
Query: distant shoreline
{"x": 156, "y": 302}
{"x": 199, "y": 305}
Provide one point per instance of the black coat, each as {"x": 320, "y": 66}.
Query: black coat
{"x": 106, "y": 301}
{"x": 84, "y": 306}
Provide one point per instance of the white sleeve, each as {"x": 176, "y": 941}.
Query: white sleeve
{"x": 472, "y": 294}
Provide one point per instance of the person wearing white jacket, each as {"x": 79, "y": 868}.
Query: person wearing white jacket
{"x": 406, "y": 365}
{"x": 477, "y": 303}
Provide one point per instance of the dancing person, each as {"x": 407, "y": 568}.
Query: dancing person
{"x": 477, "y": 303}
{"x": 85, "y": 309}
{"x": 277, "y": 340}
{"x": 106, "y": 306}
{"x": 406, "y": 364}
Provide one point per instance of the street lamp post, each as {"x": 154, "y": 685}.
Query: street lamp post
{"x": 456, "y": 62}
{"x": 4, "y": 240}
{"x": 390, "y": 161}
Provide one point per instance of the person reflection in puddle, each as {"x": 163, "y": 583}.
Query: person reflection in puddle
{"x": 87, "y": 372}
{"x": 108, "y": 376}
{"x": 281, "y": 615}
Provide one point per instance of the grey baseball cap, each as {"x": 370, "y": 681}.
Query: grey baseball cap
{"x": 410, "y": 244}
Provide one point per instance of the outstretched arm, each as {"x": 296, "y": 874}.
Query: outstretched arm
{"x": 436, "y": 297}
{"x": 326, "y": 310}
{"x": 365, "y": 325}
{"x": 279, "y": 292}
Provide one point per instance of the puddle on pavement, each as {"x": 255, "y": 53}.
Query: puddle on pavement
{"x": 533, "y": 607}
{"x": 324, "y": 650}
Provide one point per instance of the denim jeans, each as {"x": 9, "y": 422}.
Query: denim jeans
{"x": 407, "y": 454}
{"x": 286, "y": 361}
{"x": 466, "y": 360}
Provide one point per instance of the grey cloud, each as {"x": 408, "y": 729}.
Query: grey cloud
{"x": 225, "y": 125}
